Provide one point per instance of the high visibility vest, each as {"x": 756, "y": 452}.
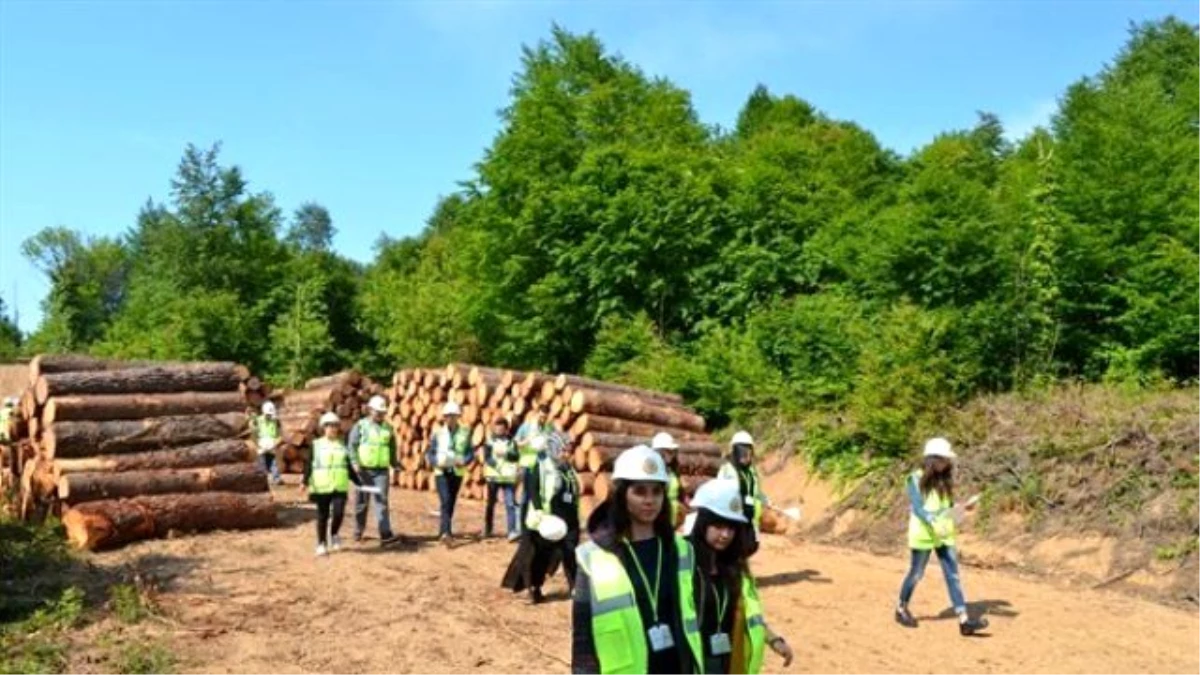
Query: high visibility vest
{"x": 374, "y": 445}
{"x": 755, "y": 628}
{"x": 941, "y": 513}
{"x": 505, "y": 471}
{"x": 550, "y": 477}
{"x": 617, "y": 628}
{"x": 329, "y": 472}
{"x": 673, "y": 495}
{"x": 5, "y": 416}
{"x": 752, "y": 494}
{"x": 459, "y": 447}
{"x": 529, "y": 456}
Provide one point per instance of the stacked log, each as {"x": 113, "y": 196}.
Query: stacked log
{"x": 128, "y": 450}
{"x": 602, "y": 418}
{"x": 345, "y": 393}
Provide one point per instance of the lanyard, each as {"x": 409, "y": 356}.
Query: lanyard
{"x": 722, "y": 604}
{"x": 657, "y": 579}
{"x": 569, "y": 479}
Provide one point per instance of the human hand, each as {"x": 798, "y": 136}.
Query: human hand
{"x": 783, "y": 649}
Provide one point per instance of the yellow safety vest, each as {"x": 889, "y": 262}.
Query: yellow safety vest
{"x": 329, "y": 472}
{"x": 529, "y": 457}
{"x": 755, "y": 626}
{"x": 617, "y": 628}
{"x": 941, "y": 511}
{"x": 374, "y": 445}
{"x": 459, "y": 446}
{"x": 505, "y": 472}
{"x": 754, "y": 496}
{"x": 673, "y": 495}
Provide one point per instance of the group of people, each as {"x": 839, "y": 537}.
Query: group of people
{"x": 651, "y": 592}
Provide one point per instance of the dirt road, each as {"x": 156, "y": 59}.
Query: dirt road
{"x": 261, "y": 602}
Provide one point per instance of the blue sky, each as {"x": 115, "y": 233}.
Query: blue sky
{"x": 375, "y": 109}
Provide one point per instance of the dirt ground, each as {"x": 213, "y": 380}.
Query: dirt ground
{"x": 258, "y": 602}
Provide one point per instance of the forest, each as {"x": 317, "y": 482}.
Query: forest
{"x": 787, "y": 267}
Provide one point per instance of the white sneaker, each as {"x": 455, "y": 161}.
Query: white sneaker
{"x": 321, "y": 550}
{"x": 335, "y": 543}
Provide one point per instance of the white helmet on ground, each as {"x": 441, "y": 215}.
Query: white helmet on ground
{"x": 741, "y": 438}
{"x": 268, "y": 409}
{"x": 939, "y": 447}
{"x": 664, "y": 441}
{"x": 377, "y": 404}
{"x": 451, "y": 408}
{"x": 330, "y": 418}
{"x": 640, "y": 463}
{"x": 722, "y": 497}
{"x": 552, "y": 528}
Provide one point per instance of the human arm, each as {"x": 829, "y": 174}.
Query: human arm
{"x": 394, "y": 455}
{"x": 489, "y": 457}
{"x": 779, "y": 646}
{"x": 352, "y": 446}
{"x": 917, "y": 503}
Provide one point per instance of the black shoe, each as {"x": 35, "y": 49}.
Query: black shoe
{"x": 905, "y": 618}
{"x": 536, "y": 596}
{"x": 971, "y": 626}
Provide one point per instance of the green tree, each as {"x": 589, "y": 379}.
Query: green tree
{"x": 301, "y": 345}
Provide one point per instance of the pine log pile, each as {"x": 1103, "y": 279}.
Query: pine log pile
{"x": 345, "y": 393}
{"x": 127, "y": 450}
{"x": 602, "y": 419}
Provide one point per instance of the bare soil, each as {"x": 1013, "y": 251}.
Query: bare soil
{"x": 262, "y": 602}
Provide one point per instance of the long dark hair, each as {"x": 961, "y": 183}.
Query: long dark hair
{"x": 730, "y": 563}
{"x": 610, "y": 521}
{"x": 938, "y": 475}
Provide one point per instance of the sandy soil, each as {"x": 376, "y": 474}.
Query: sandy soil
{"x": 261, "y": 602}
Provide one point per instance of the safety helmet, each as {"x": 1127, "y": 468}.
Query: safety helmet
{"x": 722, "y": 497}
{"x": 330, "y": 418}
{"x": 640, "y": 463}
{"x": 741, "y": 438}
{"x": 939, "y": 447}
{"x": 552, "y": 528}
{"x": 268, "y": 409}
{"x": 664, "y": 441}
{"x": 10, "y": 401}
{"x": 538, "y": 443}
{"x": 377, "y": 404}
{"x": 451, "y": 408}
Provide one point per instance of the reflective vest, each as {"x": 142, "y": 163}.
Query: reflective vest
{"x": 374, "y": 445}
{"x": 755, "y": 628}
{"x": 447, "y": 451}
{"x": 941, "y": 515}
{"x": 752, "y": 494}
{"x": 673, "y": 495}
{"x": 529, "y": 456}
{"x": 617, "y": 628}
{"x": 505, "y": 471}
{"x": 551, "y": 477}
{"x": 5, "y": 416}
{"x": 329, "y": 472}
{"x": 267, "y": 434}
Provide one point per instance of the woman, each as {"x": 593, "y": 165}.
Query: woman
{"x": 931, "y": 529}
{"x": 633, "y": 609}
{"x": 327, "y": 477}
{"x": 735, "y": 637}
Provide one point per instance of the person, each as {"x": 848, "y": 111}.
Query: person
{"x": 500, "y": 471}
{"x": 6, "y": 416}
{"x": 449, "y": 453}
{"x": 931, "y": 529}
{"x": 529, "y": 432}
{"x": 740, "y": 467}
{"x": 327, "y": 478}
{"x": 553, "y": 493}
{"x": 735, "y": 636}
{"x": 666, "y": 446}
{"x": 267, "y": 435}
{"x": 372, "y": 452}
{"x": 633, "y": 609}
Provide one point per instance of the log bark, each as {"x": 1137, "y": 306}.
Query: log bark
{"x": 586, "y": 422}
{"x": 601, "y": 458}
{"x": 76, "y": 488}
{"x": 138, "y": 406}
{"x": 81, "y": 439}
{"x": 308, "y": 399}
{"x": 601, "y": 486}
{"x": 112, "y": 523}
{"x": 67, "y": 363}
{"x": 707, "y": 448}
{"x": 563, "y": 381}
{"x": 630, "y": 407}
{"x": 228, "y": 451}
{"x": 155, "y": 380}
{"x": 350, "y": 377}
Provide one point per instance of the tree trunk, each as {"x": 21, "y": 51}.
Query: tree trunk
{"x": 138, "y": 406}
{"x": 81, "y": 439}
{"x": 590, "y": 439}
{"x": 311, "y": 399}
{"x": 563, "y": 381}
{"x": 156, "y": 380}
{"x": 350, "y": 377}
{"x": 587, "y": 422}
{"x": 587, "y": 481}
{"x": 68, "y": 363}
{"x": 111, "y": 523}
{"x": 228, "y": 451}
{"x": 627, "y": 406}
{"x": 76, "y": 488}
{"x": 601, "y": 486}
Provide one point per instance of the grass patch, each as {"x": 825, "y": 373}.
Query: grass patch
{"x": 142, "y": 657}
{"x": 126, "y": 603}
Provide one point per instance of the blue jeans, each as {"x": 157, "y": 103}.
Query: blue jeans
{"x": 269, "y": 464}
{"x": 510, "y": 506}
{"x": 949, "y": 561}
{"x": 447, "y": 486}
{"x": 373, "y": 478}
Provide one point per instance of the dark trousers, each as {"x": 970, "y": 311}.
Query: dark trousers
{"x": 448, "y": 485}
{"x": 544, "y": 554}
{"x": 327, "y": 505}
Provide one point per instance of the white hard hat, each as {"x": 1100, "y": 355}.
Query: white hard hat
{"x": 640, "y": 463}
{"x": 939, "y": 447}
{"x": 10, "y": 401}
{"x": 268, "y": 409}
{"x": 552, "y": 528}
{"x": 330, "y": 418}
{"x": 741, "y": 438}
{"x": 377, "y": 403}
{"x": 538, "y": 443}
{"x": 451, "y": 408}
{"x": 722, "y": 497}
{"x": 664, "y": 441}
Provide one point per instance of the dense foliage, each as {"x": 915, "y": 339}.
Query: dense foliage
{"x": 790, "y": 263}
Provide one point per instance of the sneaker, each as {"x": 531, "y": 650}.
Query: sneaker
{"x": 321, "y": 550}
{"x": 445, "y": 539}
{"x": 971, "y": 626}
{"x": 535, "y": 594}
{"x": 513, "y": 536}
{"x": 335, "y": 543}
{"x": 905, "y": 618}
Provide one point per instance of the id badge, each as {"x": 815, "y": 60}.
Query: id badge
{"x": 749, "y": 500}
{"x": 568, "y": 497}
{"x": 720, "y": 645}
{"x": 660, "y": 637}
